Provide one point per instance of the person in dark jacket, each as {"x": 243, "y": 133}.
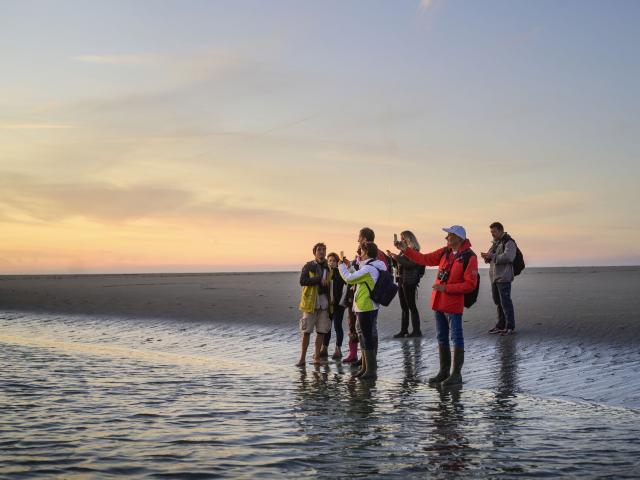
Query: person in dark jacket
{"x": 314, "y": 303}
{"x": 337, "y": 299}
{"x": 408, "y": 278}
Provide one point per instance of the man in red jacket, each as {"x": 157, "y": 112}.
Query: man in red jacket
{"x": 453, "y": 281}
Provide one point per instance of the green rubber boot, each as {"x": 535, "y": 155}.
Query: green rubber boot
{"x": 371, "y": 365}
{"x": 363, "y": 367}
{"x": 455, "y": 378}
{"x": 445, "y": 365}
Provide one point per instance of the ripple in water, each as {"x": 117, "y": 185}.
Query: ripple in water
{"x": 88, "y": 397}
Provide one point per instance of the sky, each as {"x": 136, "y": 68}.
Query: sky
{"x": 194, "y": 136}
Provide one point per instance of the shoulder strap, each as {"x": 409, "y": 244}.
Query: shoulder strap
{"x": 506, "y": 238}
{"x": 466, "y": 256}
{"x": 369, "y": 262}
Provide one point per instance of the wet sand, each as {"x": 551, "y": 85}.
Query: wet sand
{"x": 192, "y": 376}
{"x": 94, "y": 397}
{"x": 599, "y": 304}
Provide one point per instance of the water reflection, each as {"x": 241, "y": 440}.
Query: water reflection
{"x": 412, "y": 364}
{"x": 107, "y": 412}
{"x": 450, "y": 448}
{"x": 504, "y": 407}
{"x": 404, "y": 394}
{"x": 507, "y": 372}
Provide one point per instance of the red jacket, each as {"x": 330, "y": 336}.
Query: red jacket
{"x": 460, "y": 281}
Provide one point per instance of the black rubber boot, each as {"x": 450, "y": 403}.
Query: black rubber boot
{"x": 415, "y": 326}
{"x": 455, "y": 378}
{"x": 404, "y": 325}
{"x": 445, "y": 364}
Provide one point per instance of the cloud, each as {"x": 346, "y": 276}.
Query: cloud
{"x": 426, "y": 4}
{"x": 37, "y": 200}
{"x": 34, "y": 126}
{"x": 549, "y": 204}
{"x": 123, "y": 59}
{"x": 26, "y": 199}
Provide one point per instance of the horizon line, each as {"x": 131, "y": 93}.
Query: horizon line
{"x": 254, "y": 272}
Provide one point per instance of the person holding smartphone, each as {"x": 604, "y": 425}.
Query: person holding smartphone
{"x": 408, "y": 278}
{"x": 457, "y": 275}
{"x": 366, "y": 309}
{"x": 314, "y": 303}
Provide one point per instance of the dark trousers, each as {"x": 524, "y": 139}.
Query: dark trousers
{"x": 336, "y": 318}
{"x": 407, "y": 296}
{"x": 501, "y": 292}
{"x": 368, "y": 329}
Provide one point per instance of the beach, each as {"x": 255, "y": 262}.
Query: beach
{"x": 192, "y": 376}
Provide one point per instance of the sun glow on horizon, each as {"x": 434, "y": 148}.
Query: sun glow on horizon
{"x": 208, "y": 139}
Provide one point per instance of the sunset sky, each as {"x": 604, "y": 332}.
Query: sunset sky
{"x": 233, "y": 135}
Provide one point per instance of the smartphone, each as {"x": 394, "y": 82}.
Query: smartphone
{"x": 341, "y": 255}
{"x": 395, "y": 238}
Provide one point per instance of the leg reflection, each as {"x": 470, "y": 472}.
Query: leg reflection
{"x": 412, "y": 364}
{"x": 507, "y": 359}
{"x": 450, "y": 447}
{"x": 503, "y": 410}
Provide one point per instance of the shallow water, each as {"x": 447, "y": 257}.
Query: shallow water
{"x": 87, "y": 397}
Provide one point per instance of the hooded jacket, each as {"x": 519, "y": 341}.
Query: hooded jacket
{"x": 366, "y": 276}
{"x": 460, "y": 281}
{"x": 503, "y": 253}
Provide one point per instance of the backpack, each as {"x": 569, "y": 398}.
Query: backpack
{"x": 471, "y": 297}
{"x": 518, "y": 262}
{"x": 385, "y": 288}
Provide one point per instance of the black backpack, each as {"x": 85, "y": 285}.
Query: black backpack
{"x": 518, "y": 262}
{"x": 471, "y": 297}
{"x": 385, "y": 288}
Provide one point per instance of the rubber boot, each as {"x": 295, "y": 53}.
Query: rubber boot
{"x": 455, "y": 378}
{"x": 444, "y": 353}
{"x": 404, "y": 325}
{"x": 363, "y": 368}
{"x": 371, "y": 364}
{"x": 337, "y": 353}
{"x": 415, "y": 326}
{"x": 353, "y": 352}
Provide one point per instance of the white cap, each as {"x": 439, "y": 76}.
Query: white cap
{"x": 457, "y": 230}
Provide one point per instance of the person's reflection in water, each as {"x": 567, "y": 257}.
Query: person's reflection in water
{"x": 365, "y": 431}
{"x": 412, "y": 356}
{"x": 317, "y": 395}
{"x": 412, "y": 365}
{"x": 505, "y": 403}
{"x": 507, "y": 359}
{"x": 338, "y": 420}
{"x": 450, "y": 446}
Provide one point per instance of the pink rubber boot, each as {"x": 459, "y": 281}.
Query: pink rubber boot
{"x": 353, "y": 352}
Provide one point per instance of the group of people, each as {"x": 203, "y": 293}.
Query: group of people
{"x": 332, "y": 285}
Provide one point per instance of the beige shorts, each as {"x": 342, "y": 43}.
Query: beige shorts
{"x": 319, "y": 320}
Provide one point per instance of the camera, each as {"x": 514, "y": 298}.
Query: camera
{"x": 443, "y": 275}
